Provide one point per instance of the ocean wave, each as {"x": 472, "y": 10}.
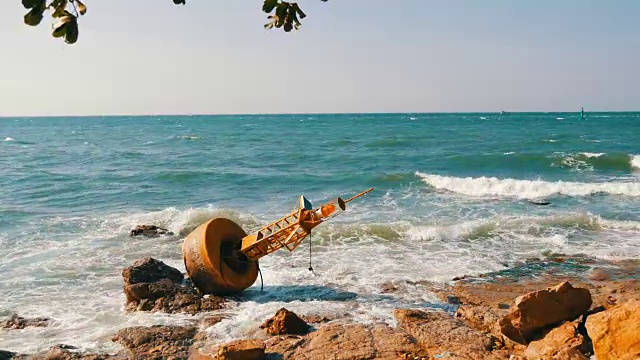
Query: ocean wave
{"x": 525, "y": 189}
{"x": 587, "y": 161}
{"x": 538, "y": 226}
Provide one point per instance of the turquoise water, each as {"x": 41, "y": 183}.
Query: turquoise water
{"x": 452, "y": 196}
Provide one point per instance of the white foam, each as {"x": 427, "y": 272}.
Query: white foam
{"x": 9, "y": 139}
{"x": 592, "y": 155}
{"x": 525, "y": 189}
{"x": 188, "y": 137}
{"x": 635, "y": 162}
{"x": 560, "y": 118}
{"x": 509, "y": 153}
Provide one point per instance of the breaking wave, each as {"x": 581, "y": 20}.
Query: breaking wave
{"x": 525, "y": 189}
{"x": 600, "y": 161}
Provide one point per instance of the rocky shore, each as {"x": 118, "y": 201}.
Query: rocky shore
{"x": 528, "y": 312}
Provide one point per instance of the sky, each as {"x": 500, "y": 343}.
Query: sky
{"x": 214, "y": 57}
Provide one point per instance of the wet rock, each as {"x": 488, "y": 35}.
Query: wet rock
{"x": 388, "y": 287}
{"x": 68, "y": 352}
{"x": 285, "y": 322}
{"x": 18, "y": 322}
{"x": 599, "y": 275}
{"x": 151, "y": 285}
{"x": 6, "y": 355}
{"x": 209, "y": 321}
{"x": 440, "y": 333}
{"x": 563, "y": 342}
{"x": 615, "y": 333}
{"x": 537, "y": 310}
{"x": 157, "y": 342}
{"x": 149, "y": 230}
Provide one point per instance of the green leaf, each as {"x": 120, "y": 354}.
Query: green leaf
{"x": 60, "y": 9}
{"x": 297, "y": 9}
{"x": 281, "y": 14}
{"x": 59, "y": 30}
{"x": 30, "y": 4}
{"x": 34, "y": 16}
{"x": 269, "y": 5}
{"x": 71, "y": 35}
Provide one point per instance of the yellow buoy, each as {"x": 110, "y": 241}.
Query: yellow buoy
{"x": 213, "y": 258}
{"x": 221, "y": 258}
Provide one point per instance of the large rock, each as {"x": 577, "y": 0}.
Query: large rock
{"x": 18, "y": 322}
{"x": 563, "y": 342}
{"x": 252, "y": 349}
{"x": 157, "y": 342}
{"x": 61, "y": 352}
{"x": 7, "y": 355}
{"x": 441, "y": 334}
{"x": 615, "y": 333}
{"x": 537, "y": 310}
{"x": 285, "y": 322}
{"x": 348, "y": 342}
{"x": 151, "y": 285}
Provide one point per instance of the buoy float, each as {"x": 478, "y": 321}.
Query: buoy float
{"x": 222, "y": 259}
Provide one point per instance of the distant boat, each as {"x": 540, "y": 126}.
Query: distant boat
{"x": 503, "y": 112}
{"x": 582, "y": 114}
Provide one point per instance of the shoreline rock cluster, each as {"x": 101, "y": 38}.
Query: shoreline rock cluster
{"x": 551, "y": 316}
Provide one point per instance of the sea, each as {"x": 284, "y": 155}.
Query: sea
{"x": 455, "y": 194}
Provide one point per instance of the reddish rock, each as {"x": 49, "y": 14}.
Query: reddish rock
{"x": 481, "y": 317}
{"x": 283, "y": 347}
{"x": 241, "y": 350}
{"x": 350, "y": 342}
{"x": 18, "y": 322}
{"x": 285, "y": 322}
{"x": 615, "y": 333}
{"x": 537, "y": 310}
{"x": 157, "y": 342}
{"x": 151, "y": 285}
{"x": 563, "y": 342}
{"x": 440, "y": 333}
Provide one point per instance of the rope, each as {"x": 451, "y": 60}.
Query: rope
{"x": 261, "y": 281}
{"x": 311, "y": 267}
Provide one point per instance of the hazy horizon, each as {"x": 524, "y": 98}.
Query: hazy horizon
{"x": 361, "y": 56}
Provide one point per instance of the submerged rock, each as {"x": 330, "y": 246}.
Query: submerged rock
{"x": 18, "y": 322}
{"x": 157, "y": 342}
{"x": 615, "y": 333}
{"x": 537, "y": 310}
{"x": 151, "y": 285}
{"x": 149, "y": 230}
{"x": 285, "y": 322}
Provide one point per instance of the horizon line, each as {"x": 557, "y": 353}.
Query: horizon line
{"x": 322, "y": 113}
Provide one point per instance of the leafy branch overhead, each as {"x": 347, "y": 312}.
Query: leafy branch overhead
{"x": 65, "y": 13}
